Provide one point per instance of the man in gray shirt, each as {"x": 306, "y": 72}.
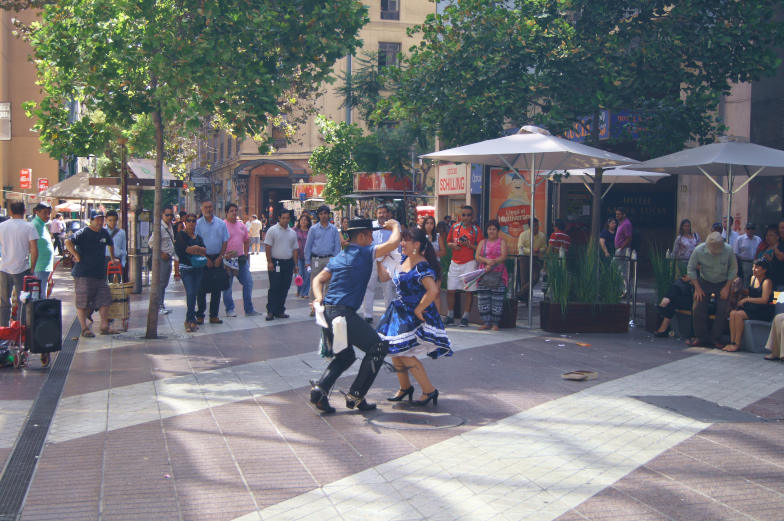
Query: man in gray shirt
{"x": 717, "y": 266}
{"x": 281, "y": 247}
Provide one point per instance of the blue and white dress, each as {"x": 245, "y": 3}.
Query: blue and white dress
{"x": 401, "y": 327}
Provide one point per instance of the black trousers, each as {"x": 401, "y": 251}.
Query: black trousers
{"x": 699, "y": 312}
{"x": 215, "y": 296}
{"x": 681, "y": 296}
{"x": 280, "y": 282}
{"x": 362, "y": 335}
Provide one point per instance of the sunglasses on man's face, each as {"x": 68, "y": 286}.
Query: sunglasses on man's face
{"x": 168, "y": 215}
{"x": 190, "y": 220}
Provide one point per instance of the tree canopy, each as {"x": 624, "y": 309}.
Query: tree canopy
{"x": 181, "y": 61}
{"x": 483, "y": 65}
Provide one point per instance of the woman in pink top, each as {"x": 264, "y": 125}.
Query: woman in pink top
{"x": 302, "y": 227}
{"x": 491, "y": 254}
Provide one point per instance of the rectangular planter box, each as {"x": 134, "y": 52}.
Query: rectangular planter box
{"x": 585, "y": 318}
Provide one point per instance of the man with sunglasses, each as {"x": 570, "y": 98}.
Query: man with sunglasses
{"x": 463, "y": 238}
{"x": 167, "y": 253}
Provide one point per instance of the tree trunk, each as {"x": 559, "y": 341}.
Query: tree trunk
{"x": 155, "y": 283}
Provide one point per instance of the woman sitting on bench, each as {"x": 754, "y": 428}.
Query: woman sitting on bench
{"x": 757, "y": 306}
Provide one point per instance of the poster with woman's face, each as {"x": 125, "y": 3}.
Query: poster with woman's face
{"x": 510, "y": 203}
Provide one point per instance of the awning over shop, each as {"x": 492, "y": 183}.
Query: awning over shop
{"x": 78, "y": 188}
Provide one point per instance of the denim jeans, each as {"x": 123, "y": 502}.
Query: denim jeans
{"x": 191, "y": 279}
{"x": 43, "y": 276}
{"x": 165, "y": 275}
{"x": 304, "y": 290}
{"x": 245, "y": 278}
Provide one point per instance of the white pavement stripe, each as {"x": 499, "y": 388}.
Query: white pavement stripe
{"x": 171, "y": 327}
{"x": 540, "y": 463}
{"x": 13, "y": 414}
{"x": 85, "y": 414}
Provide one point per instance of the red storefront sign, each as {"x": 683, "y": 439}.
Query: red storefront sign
{"x": 43, "y": 184}
{"x": 25, "y": 178}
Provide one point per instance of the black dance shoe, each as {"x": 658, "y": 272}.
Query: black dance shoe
{"x": 401, "y": 394}
{"x": 429, "y": 396}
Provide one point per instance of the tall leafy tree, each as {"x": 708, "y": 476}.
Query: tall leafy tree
{"x": 484, "y": 65}
{"x": 180, "y": 61}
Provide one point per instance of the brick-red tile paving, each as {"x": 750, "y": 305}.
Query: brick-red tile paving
{"x": 226, "y": 461}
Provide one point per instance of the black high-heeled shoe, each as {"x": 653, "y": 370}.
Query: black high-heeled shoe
{"x": 401, "y": 394}
{"x": 430, "y": 396}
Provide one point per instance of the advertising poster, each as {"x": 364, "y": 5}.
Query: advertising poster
{"x": 510, "y": 203}
{"x": 381, "y": 182}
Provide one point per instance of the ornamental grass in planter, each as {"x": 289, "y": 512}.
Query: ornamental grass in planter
{"x": 584, "y": 294}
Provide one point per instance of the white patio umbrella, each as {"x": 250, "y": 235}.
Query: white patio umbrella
{"x": 535, "y": 150}
{"x": 726, "y": 158}
{"x": 619, "y": 175}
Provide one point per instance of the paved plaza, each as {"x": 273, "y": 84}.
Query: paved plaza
{"x": 216, "y": 425}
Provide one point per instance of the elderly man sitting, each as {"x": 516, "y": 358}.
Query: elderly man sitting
{"x": 717, "y": 268}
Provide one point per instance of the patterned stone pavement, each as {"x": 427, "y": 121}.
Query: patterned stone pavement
{"x": 216, "y": 425}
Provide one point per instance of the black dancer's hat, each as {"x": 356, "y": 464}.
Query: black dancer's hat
{"x": 361, "y": 224}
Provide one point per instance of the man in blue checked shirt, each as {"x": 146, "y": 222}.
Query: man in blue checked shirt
{"x": 323, "y": 243}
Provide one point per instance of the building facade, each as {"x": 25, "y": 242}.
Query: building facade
{"x": 20, "y": 148}
{"x": 231, "y": 170}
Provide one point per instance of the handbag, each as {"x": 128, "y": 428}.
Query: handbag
{"x": 198, "y": 261}
{"x": 215, "y": 279}
{"x": 494, "y": 277}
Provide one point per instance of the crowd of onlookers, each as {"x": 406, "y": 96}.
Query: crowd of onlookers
{"x": 727, "y": 280}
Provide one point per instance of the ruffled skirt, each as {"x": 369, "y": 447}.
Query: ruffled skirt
{"x": 405, "y": 332}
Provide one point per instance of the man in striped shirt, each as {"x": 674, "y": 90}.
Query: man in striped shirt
{"x": 559, "y": 239}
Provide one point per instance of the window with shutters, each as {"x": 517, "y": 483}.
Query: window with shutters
{"x": 387, "y": 54}
{"x": 390, "y": 9}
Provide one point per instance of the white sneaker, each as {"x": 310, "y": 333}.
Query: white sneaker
{"x": 165, "y": 311}
{"x": 231, "y": 313}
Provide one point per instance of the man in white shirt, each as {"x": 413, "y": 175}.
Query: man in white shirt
{"x": 733, "y": 234}
{"x": 282, "y": 248}
{"x": 167, "y": 253}
{"x": 19, "y": 244}
{"x": 380, "y": 236}
{"x": 746, "y": 248}
{"x": 56, "y": 230}
{"x": 254, "y": 230}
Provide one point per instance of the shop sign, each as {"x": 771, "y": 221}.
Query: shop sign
{"x": 25, "y": 178}
{"x": 303, "y": 191}
{"x": 477, "y": 172}
{"x": 452, "y": 180}
{"x": 43, "y": 184}
{"x": 510, "y": 203}
{"x": 381, "y": 182}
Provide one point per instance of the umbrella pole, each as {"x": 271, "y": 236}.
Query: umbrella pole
{"x": 729, "y": 201}
{"x": 531, "y": 246}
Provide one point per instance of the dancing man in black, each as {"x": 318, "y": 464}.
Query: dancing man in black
{"x": 348, "y": 274}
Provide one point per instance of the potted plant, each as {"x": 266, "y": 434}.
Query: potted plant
{"x": 584, "y": 297}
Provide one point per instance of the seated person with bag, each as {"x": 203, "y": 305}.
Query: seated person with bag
{"x": 679, "y": 296}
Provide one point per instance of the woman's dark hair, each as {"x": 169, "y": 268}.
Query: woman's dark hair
{"x": 435, "y": 226}
{"x": 428, "y": 252}
{"x": 611, "y": 220}
{"x": 307, "y": 216}
{"x": 492, "y": 222}
{"x": 680, "y": 228}
{"x": 443, "y": 228}
{"x": 764, "y": 264}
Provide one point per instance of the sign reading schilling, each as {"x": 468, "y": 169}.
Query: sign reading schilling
{"x": 452, "y": 180}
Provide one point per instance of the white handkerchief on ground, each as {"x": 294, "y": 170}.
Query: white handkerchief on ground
{"x": 321, "y": 320}
{"x": 339, "y": 334}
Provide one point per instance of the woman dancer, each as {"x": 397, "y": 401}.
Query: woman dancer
{"x": 757, "y": 306}
{"x": 491, "y": 254}
{"x": 188, "y": 245}
{"x": 302, "y": 228}
{"x": 412, "y": 317}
